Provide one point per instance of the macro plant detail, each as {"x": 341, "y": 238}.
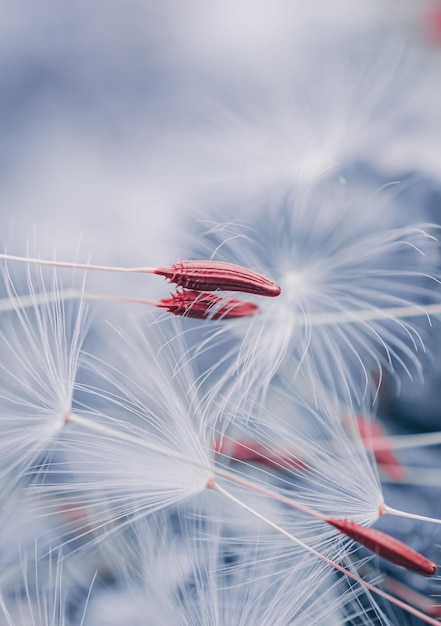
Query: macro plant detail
{"x": 220, "y": 314}
{"x": 197, "y": 279}
{"x": 140, "y": 439}
{"x": 348, "y": 292}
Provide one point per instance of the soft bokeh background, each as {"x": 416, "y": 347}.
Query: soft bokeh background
{"x": 119, "y": 118}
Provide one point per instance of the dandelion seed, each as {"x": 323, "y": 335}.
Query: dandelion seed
{"x": 200, "y": 275}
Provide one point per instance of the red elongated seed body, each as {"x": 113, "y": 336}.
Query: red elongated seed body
{"x": 214, "y": 275}
{"x": 412, "y": 597}
{"x": 384, "y": 456}
{"x": 253, "y": 452}
{"x": 385, "y": 546}
{"x": 200, "y": 305}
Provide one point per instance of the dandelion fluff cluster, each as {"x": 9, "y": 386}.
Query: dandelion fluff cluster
{"x": 225, "y": 472}
{"x": 346, "y": 285}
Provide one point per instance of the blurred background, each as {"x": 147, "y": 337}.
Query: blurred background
{"x": 120, "y": 119}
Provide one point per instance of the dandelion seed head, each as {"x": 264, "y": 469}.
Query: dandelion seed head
{"x": 294, "y": 284}
{"x": 145, "y": 449}
{"x": 41, "y": 339}
{"x": 340, "y": 274}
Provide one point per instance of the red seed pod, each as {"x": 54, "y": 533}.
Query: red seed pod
{"x": 202, "y": 305}
{"x": 385, "y": 546}
{"x": 384, "y": 455}
{"x": 214, "y": 275}
{"x": 249, "y": 451}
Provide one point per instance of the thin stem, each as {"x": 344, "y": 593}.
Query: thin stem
{"x": 340, "y": 568}
{"x": 403, "y": 591}
{"x": 366, "y": 315}
{"x": 318, "y": 319}
{"x": 47, "y": 297}
{"x": 108, "y": 431}
{"x": 401, "y": 442}
{"x": 388, "y": 510}
{"x": 418, "y": 476}
{"x": 79, "y": 266}
{"x": 128, "y": 299}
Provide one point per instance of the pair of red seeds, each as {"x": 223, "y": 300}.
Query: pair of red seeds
{"x": 199, "y": 279}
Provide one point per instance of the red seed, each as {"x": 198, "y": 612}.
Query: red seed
{"x": 383, "y": 453}
{"x": 432, "y": 19}
{"x": 249, "y": 451}
{"x": 410, "y": 596}
{"x": 202, "y": 305}
{"x": 385, "y": 546}
{"x": 214, "y": 275}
